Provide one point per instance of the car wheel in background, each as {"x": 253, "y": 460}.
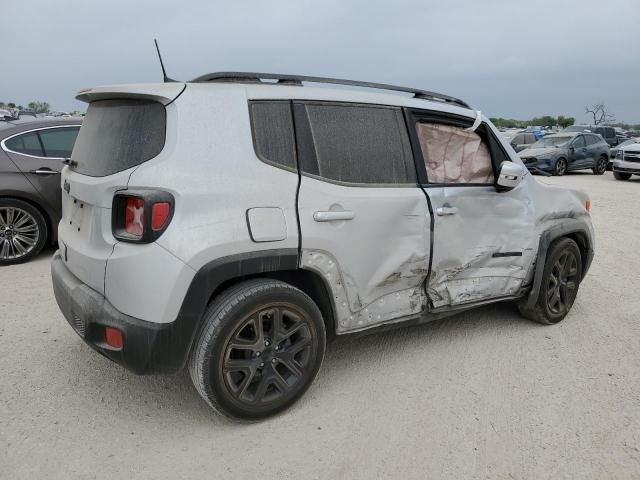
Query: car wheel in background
{"x": 260, "y": 348}
{"x": 621, "y": 175}
{"x": 560, "y": 281}
{"x": 601, "y": 166}
{"x": 23, "y": 231}
{"x": 560, "y": 168}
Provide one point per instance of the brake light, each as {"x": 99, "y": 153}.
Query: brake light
{"x": 587, "y": 205}
{"x": 134, "y": 217}
{"x": 159, "y": 215}
{"x": 141, "y": 215}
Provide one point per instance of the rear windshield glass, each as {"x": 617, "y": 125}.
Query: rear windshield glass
{"x": 119, "y": 134}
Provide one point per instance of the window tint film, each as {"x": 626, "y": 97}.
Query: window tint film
{"x": 273, "y": 137}
{"x": 58, "y": 142}
{"x": 355, "y": 144}
{"x": 454, "y": 155}
{"x": 27, "y": 143}
{"x": 119, "y": 134}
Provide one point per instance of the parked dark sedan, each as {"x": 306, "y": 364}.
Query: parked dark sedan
{"x": 31, "y": 154}
{"x": 557, "y": 154}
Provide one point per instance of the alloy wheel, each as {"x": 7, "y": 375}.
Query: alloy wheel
{"x": 563, "y": 283}
{"x": 19, "y": 233}
{"x": 601, "y": 166}
{"x": 561, "y": 167}
{"x": 268, "y": 355}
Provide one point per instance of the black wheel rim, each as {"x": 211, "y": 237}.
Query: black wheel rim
{"x": 269, "y": 355}
{"x": 602, "y": 165}
{"x": 19, "y": 233}
{"x": 561, "y": 167}
{"x": 563, "y": 283}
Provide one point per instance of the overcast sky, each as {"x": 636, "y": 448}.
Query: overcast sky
{"x": 508, "y": 58}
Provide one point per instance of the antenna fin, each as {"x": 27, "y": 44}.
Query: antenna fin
{"x": 165, "y": 79}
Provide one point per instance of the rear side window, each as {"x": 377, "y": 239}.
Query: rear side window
{"x": 119, "y": 134}
{"x": 273, "y": 136}
{"x": 58, "y": 142}
{"x": 26, "y": 143}
{"x": 592, "y": 139}
{"x": 358, "y": 144}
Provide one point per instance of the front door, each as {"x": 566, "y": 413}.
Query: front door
{"x": 364, "y": 221}
{"x": 39, "y": 154}
{"x": 580, "y": 156}
{"x": 483, "y": 240}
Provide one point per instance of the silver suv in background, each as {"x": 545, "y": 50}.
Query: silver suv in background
{"x": 260, "y": 216}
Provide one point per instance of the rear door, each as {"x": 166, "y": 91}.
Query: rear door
{"x": 39, "y": 154}
{"x": 483, "y": 240}
{"x": 364, "y": 221}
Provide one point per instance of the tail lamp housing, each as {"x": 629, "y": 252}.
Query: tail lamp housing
{"x": 141, "y": 215}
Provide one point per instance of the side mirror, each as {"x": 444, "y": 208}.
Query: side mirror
{"x": 510, "y": 176}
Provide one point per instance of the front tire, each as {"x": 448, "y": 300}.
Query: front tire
{"x": 260, "y": 348}
{"x": 621, "y": 175}
{"x": 560, "y": 168}
{"x": 601, "y": 166}
{"x": 560, "y": 282}
{"x": 23, "y": 231}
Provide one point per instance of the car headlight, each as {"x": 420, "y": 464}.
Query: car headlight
{"x": 619, "y": 155}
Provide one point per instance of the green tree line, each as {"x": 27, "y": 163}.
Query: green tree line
{"x": 35, "y": 106}
{"x": 544, "y": 121}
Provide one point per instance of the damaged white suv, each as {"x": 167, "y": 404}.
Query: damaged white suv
{"x": 231, "y": 224}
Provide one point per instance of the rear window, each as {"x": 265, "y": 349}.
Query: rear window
{"x": 119, "y": 134}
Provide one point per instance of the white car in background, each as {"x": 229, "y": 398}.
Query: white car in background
{"x": 627, "y": 162}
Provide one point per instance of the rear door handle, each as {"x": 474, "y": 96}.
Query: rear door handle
{"x": 44, "y": 171}
{"x": 443, "y": 211}
{"x": 333, "y": 216}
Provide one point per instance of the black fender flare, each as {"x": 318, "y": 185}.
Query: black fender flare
{"x": 566, "y": 228}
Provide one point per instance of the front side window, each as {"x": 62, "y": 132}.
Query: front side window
{"x": 27, "y": 143}
{"x": 518, "y": 140}
{"x": 578, "y": 142}
{"x": 454, "y": 155}
{"x": 358, "y": 144}
{"x": 58, "y": 142}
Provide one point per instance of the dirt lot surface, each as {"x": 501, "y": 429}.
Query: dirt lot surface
{"x": 482, "y": 395}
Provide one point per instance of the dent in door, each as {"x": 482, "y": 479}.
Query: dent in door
{"x": 407, "y": 277}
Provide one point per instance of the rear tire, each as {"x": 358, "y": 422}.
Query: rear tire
{"x": 560, "y": 168}
{"x": 621, "y": 175}
{"x": 560, "y": 283}
{"x": 601, "y": 166}
{"x": 260, "y": 348}
{"x": 23, "y": 231}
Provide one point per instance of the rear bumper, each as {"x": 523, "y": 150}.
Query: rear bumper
{"x": 148, "y": 347}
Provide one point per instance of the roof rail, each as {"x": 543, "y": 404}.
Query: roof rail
{"x": 282, "y": 79}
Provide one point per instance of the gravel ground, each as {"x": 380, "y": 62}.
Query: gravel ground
{"x": 485, "y": 394}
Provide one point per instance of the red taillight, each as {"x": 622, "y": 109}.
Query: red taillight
{"x": 134, "y": 216}
{"x": 159, "y": 215}
{"x": 113, "y": 337}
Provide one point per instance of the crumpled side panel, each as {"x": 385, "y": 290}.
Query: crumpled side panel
{"x": 409, "y": 300}
{"x": 454, "y": 155}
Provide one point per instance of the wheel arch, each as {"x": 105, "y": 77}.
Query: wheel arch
{"x": 220, "y": 274}
{"x": 575, "y": 229}
{"x": 52, "y": 233}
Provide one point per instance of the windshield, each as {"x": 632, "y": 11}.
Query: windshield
{"x": 577, "y": 128}
{"x": 552, "y": 141}
{"x": 628, "y": 142}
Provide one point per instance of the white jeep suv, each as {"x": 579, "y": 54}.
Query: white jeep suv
{"x": 232, "y": 224}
